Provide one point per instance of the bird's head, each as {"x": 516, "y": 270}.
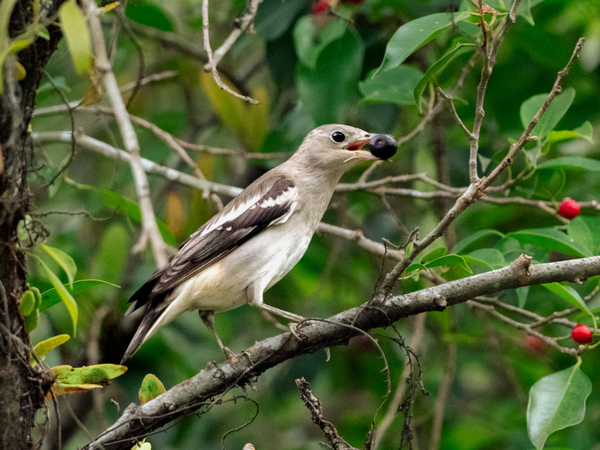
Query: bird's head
{"x": 340, "y": 147}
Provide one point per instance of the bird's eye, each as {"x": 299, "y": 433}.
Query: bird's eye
{"x": 338, "y": 136}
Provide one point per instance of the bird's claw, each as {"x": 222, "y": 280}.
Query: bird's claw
{"x": 293, "y": 328}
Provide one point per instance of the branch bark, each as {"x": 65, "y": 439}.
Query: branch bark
{"x": 21, "y": 393}
{"x": 208, "y": 386}
{"x": 150, "y": 231}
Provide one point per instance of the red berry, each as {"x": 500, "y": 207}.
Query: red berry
{"x": 569, "y": 209}
{"x": 319, "y": 7}
{"x": 535, "y": 345}
{"x": 582, "y": 334}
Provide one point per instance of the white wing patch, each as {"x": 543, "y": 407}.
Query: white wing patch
{"x": 287, "y": 196}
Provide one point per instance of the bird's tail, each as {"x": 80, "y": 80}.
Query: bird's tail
{"x": 146, "y": 328}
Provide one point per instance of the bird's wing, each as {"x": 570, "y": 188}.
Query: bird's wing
{"x": 254, "y": 210}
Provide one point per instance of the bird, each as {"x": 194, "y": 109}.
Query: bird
{"x": 257, "y": 238}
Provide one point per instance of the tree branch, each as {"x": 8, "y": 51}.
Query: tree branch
{"x": 150, "y": 229}
{"x": 476, "y": 189}
{"x": 215, "y": 380}
{"x": 318, "y": 417}
{"x": 212, "y": 65}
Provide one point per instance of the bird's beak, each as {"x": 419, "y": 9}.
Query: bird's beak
{"x": 357, "y": 145}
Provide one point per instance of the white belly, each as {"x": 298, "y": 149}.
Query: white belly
{"x": 265, "y": 259}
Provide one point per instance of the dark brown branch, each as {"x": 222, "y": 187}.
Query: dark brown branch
{"x": 318, "y": 417}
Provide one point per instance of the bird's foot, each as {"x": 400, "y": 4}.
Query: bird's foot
{"x": 228, "y": 353}
{"x": 293, "y": 328}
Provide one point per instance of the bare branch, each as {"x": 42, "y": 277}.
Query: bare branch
{"x": 318, "y": 417}
{"x": 478, "y": 186}
{"x": 184, "y": 398}
{"x": 450, "y": 101}
{"x": 526, "y": 136}
{"x": 357, "y": 236}
{"x": 392, "y": 410}
{"x": 211, "y": 58}
{"x": 97, "y": 146}
{"x": 522, "y": 326}
{"x": 150, "y": 229}
{"x": 240, "y": 26}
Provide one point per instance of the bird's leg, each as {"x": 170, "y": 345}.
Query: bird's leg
{"x": 267, "y": 315}
{"x": 254, "y": 296}
{"x": 280, "y": 312}
{"x": 208, "y": 317}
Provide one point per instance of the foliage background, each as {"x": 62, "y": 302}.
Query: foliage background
{"x": 495, "y": 365}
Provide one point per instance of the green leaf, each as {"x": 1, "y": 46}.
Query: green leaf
{"x": 129, "y": 207}
{"x": 580, "y": 233}
{"x": 551, "y": 117}
{"x": 52, "y": 297}
{"x": 64, "y": 260}
{"x": 593, "y": 225}
{"x": 274, "y": 17}
{"x": 151, "y": 388}
{"x": 522, "y": 293}
{"x": 413, "y": 267}
{"x": 436, "y": 68}
{"x": 27, "y": 303}
{"x": 63, "y": 292}
{"x": 112, "y": 254}
{"x": 571, "y": 162}
{"x": 75, "y": 29}
{"x": 556, "y": 401}
{"x": 41, "y": 349}
{"x": 149, "y": 14}
{"x": 463, "y": 244}
{"x": 6, "y": 8}
{"x": 31, "y": 321}
{"x": 474, "y": 260}
{"x": 585, "y": 131}
{"x": 449, "y": 260}
{"x": 492, "y": 256}
{"x": 411, "y": 36}
{"x": 550, "y": 239}
{"x": 526, "y": 12}
{"x": 434, "y": 254}
{"x": 569, "y": 294}
{"x": 98, "y": 374}
{"x": 310, "y": 41}
{"x": 332, "y": 85}
{"x": 393, "y": 86}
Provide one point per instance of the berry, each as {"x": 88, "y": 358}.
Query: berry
{"x": 581, "y": 334}
{"x": 569, "y": 209}
{"x": 535, "y": 345}
{"x": 319, "y": 7}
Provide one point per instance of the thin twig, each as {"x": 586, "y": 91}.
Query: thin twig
{"x": 103, "y": 148}
{"x": 164, "y": 135}
{"x": 392, "y": 410}
{"x": 150, "y": 231}
{"x": 477, "y": 189}
{"x": 211, "y": 58}
{"x": 526, "y": 136}
{"x": 450, "y": 101}
{"x": 522, "y": 326}
{"x": 240, "y": 26}
{"x": 318, "y": 417}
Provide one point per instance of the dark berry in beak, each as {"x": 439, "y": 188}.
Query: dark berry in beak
{"x": 383, "y": 146}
